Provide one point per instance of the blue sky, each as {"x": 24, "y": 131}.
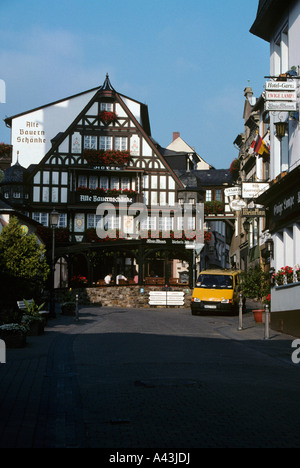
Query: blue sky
{"x": 188, "y": 60}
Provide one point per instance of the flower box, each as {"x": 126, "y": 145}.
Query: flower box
{"x": 214, "y": 207}
{"x": 107, "y": 117}
{"x": 108, "y": 157}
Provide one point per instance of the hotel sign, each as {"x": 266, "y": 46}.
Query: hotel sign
{"x": 280, "y": 85}
{"x": 281, "y": 96}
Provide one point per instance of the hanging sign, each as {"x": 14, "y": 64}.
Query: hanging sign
{"x": 253, "y": 189}
{"x": 283, "y": 106}
{"x": 281, "y": 96}
{"x": 253, "y": 212}
{"x": 237, "y": 204}
{"x": 280, "y": 85}
{"x": 231, "y": 191}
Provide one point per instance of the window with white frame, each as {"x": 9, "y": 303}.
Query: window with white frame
{"x": 163, "y": 198}
{"x": 62, "y": 220}
{"x": 41, "y": 218}
{"x": 106, "y": 106}
{"x": 93, "y": 182}
{"x": 152, "y": 222}
{"x": 165, "y": 223}
{"x": 219, "y": 195}
{"x": 54, "y": 194}
{"x": 90, "y": 142}
{"x": 148, "y": 223}
{"x": 281, "y": 51}
{"x": 45, "y": 194}
{"x": 82, "y": 181}
{"x": 114, "y": 183}
{"x": 121, "y": 143}
{"x": 112, "y": 222}
{"x": 105, "y": 142}
{"x": 208, "y": 195}
{"x": 125, "y": 183}
{"x": 93, "y": 220}
{"x": 104, "y": 182}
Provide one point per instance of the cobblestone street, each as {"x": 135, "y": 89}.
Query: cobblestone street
{"x": 150, "y": 378}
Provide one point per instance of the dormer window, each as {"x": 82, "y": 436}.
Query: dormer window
{"x": 106, "y": 106}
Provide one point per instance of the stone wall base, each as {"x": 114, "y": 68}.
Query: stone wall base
{"x": 121, "y": 296}
{"x": 287, "y": 322}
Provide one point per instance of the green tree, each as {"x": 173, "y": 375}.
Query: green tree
{"x": 255, "y": 283}
{"x": 21, "y": 255}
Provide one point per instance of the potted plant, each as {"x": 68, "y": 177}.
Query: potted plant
{"x": 68, "y": 305}
{"x": 32, "y": 318}
{"x": 256, "y": 285}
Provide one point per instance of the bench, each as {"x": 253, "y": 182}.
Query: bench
{"x": 166, "y": 298}
{"x": 22, "y": 306}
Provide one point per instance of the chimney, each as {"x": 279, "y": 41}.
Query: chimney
{"x": 176, "y": 135}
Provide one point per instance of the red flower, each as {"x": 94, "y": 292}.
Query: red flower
{"x": 109, "y": 157}
{"x": 234, "y": 167}
{"x": 107, "y": 117}
{"x": 4, "y": 148}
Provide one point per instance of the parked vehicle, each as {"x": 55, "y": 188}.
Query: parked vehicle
{"x": 216, "y": 292}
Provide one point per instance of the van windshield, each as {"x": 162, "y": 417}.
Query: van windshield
{"x": 215, "y": 281}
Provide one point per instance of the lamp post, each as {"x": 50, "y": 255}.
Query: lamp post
{"x": 54, "y": 217}
{"x": 246, "y": 226}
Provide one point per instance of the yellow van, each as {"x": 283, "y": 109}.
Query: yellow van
{"x": 216, "y": 292}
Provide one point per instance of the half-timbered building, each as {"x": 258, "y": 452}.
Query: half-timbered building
{"x": 126, "y": 205}
{"x": 107, "y": 157}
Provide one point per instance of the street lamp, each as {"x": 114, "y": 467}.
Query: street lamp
{"x": 54, "y": 217}
{"x": 280, "y": 129}
{"x": 246, "y": 225}
{"x": 269, "y": 245}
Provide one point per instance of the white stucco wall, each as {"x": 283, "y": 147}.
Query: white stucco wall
{"x": 285, "y": 298}
{"x": 292, "y": 157}
{"x": 33, "y": 131}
